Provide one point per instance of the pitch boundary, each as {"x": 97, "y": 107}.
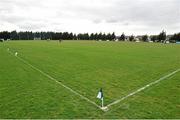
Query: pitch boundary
{"x": 143, "y": 88}
{"x": 52, "y": 78}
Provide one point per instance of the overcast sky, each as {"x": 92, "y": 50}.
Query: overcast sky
{"x": 80, "y": 16}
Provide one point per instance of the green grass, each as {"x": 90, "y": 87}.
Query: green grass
{"x": 85, "y": 66}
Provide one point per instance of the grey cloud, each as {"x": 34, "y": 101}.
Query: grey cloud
{"x": 97, "y": 21}
{"x": 12, "y": 19}
{"x": 32, "y": 25}
{"x": 112, "y": 20}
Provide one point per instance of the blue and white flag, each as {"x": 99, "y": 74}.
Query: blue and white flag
{"x": 100, "y": 94}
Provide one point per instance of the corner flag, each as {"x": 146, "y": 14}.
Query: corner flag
{"x": 16, "y": 53}
{"x": 100, "y": 96}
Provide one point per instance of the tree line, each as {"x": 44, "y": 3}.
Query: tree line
{"x": 55, "y": 36}
{"x": 161, "y": 37}
{"x": 29, "y": 35}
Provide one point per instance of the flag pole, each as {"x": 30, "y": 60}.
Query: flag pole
{"x": 102, "y": 104}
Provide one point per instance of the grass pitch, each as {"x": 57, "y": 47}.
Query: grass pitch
{"x": 85, "y": 66}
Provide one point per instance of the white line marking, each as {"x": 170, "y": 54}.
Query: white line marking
{"x": 83, "y": 97}
{"x": 50, "y": 77}
{"x": 141, "y": 89}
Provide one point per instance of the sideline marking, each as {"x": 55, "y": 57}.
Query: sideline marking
{"x": 141, "y": 89}
{"x": 50, "y": 77}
